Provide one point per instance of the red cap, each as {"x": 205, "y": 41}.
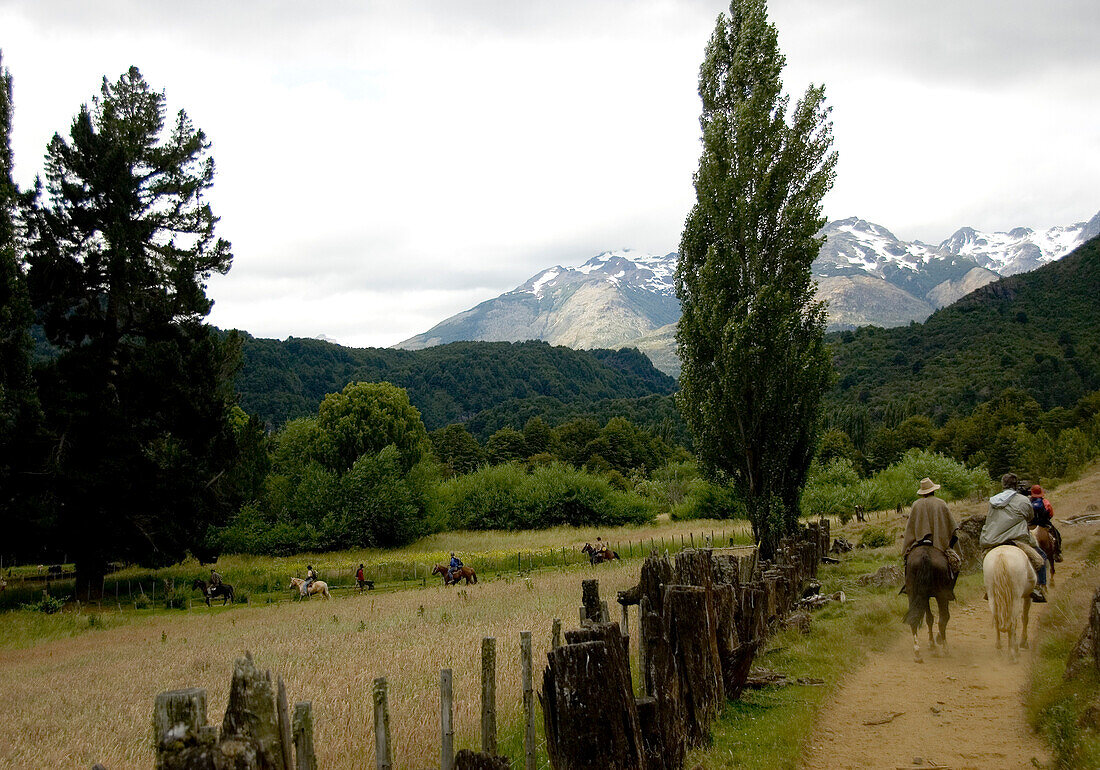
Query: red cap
{"x": 1036, "y": 491}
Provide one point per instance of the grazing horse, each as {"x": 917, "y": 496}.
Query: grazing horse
{"x": 595, "y": 557}
{"x": 1045, "y": 538}
{"x": 224, "y": 590}
{"x": 460, "y": 573}
{"x": 928, "y": 575}
{"x": 316, "y": 587}
{"x": 1009, "y": 581}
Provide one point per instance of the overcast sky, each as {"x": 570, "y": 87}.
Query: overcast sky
{"x": 384, "y": 165}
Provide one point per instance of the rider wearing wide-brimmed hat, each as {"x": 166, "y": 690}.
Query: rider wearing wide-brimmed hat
{"x": 931, "y": 522}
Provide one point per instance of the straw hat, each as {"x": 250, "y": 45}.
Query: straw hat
{"x": 927, "y": 487}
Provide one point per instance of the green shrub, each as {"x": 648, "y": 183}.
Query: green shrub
{"x": 506, "y": 497}
{"x": 875, "y": 536}
{"x": 706, "y": 500}
{"x": 47, "y": 605}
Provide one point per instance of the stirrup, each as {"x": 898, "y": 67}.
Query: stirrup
{"x": 1037, "y": 596}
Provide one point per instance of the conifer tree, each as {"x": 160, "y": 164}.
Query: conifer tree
{"x": 751, "y": 339}
{"x": 138, "y": 398}
{"x": 19, "y": 412}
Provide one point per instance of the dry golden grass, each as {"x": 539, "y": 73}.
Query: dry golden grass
{"x": 76, "y": 701}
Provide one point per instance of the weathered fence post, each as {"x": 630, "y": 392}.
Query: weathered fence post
{"x": 489, "y": 695}
{"x": 446, "y": 720}
{"x": 590, "y": 598}
{"x": 284, "y": 725}
{"x": 528, "y": 700}
{"x": 555, "y": 637}
{"x": 304, "y": 756}
{"x": 176, "y": 715}
{"x": 382, "y": 756}
{"x": 626, "y": 620}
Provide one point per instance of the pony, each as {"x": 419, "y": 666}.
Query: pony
{"x": 1009, "y": 581}
{"x": 317, "y": 587}
{"x": 224, "y": 590}
{"x": 1045, "y": 539}
{"x": 928, "y": 575}
{"x": 595, "y": 557}
{"x": 460, "y": 573}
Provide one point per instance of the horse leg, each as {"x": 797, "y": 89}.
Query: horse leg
{"x": 929, "y": 621}
{"x": 916, "y": 643}
{"x": 945, "y": 615}
{"x": 1027, "y": 610}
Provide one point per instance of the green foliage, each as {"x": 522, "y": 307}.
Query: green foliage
{"x": 505, "y": 446}
{"x": 446, "y": 383}
{"x": 707, "y": 500}
{"x": 137, "y": 400}
{"x": 875, "y": 536}
{"x": 751, "y": 338}
{"x": 507, "y": 497}
{"x": 457, "y": 450}
{"x": 364, "y": 418}
{"x": 47, "y": 605}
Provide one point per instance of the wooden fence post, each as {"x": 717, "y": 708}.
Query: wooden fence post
{"x": 446, "y": 720}
{"x": 382, "y": 756}
{"x": 304, "y": 756}
{"x": 284, "y": 724}
{"x": 528, "y": 700}
{"x": 489, "y": 696}
{"x": 626, "y": 620}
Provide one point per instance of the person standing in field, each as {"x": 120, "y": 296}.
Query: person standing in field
{"x": 360, "y": 580}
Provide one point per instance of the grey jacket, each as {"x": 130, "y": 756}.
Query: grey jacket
{"x": 1009, "y": 513}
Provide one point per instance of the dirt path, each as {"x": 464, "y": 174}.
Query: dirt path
{"x": 961, "y": 711}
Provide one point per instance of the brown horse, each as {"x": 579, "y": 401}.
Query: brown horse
{"x": 463, "y": 572}
{"x": 928, "y": 575}
{"x": 595, "y": 557}
{"x": 1045, "y": 538}
{"x": 224, "y": 590}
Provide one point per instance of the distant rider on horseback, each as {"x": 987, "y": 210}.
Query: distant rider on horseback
{"x": 215, "y": 582}
{"x": 1044, "y": 517}
{"x": 456, "y": 565}
{"x": 311, "y": 577}
{"x": 1006, "y": 524}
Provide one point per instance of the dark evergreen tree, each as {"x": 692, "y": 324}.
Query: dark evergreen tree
{"x": 19, "y": 412}
{"x": 138, "y": 398}
{"x": 751, "y": 339}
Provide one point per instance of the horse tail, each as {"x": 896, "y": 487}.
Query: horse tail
{"x": 473, "y": 575}
{"x": 1002, "y": 594}
{"x": 920, "y": 584}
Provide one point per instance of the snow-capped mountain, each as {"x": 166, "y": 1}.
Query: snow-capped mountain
{"x": 867, "y": 275}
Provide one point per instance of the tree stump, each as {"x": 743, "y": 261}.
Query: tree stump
{"x": 590, "y": 599}
{"x": 589, "y": 714}
{"x": 250, "y": 717}
{"x": 692, "y": 637}
{"x": 469, "y": 760}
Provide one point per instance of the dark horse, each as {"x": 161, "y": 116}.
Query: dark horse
{"x": 595, "y": 557}
{"x": 460, "y": 573}
{"x": 225, "y": 591}
{"x": 928, "y": 575}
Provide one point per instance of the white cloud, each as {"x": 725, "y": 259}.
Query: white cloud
{"x": 384, "y": 165}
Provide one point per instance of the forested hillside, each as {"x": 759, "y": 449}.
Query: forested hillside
{"x": 280, "y": 380}
{"x": 1038, "y": 331}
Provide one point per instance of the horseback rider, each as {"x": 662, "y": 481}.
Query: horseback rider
{"x": 215, "y": 582}
{"x": 931, "y": 523}
{"x": 311, "y": 577}
{"x": 456, "y": 565}
{"x": 1006, "y": 524}
{"x": 601, "y": 548}
{"x": 1044, "y": 517}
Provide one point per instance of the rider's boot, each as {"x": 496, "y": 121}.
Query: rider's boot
{"x": 1039, "y": 594}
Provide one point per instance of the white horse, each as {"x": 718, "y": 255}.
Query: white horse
{"x": 317, "y": 587}
{"x": 1009, "y": 581}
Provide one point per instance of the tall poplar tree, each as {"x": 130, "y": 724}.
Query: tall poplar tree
{"x": 138, "y": 398}
{"x": 751, "y": 338}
